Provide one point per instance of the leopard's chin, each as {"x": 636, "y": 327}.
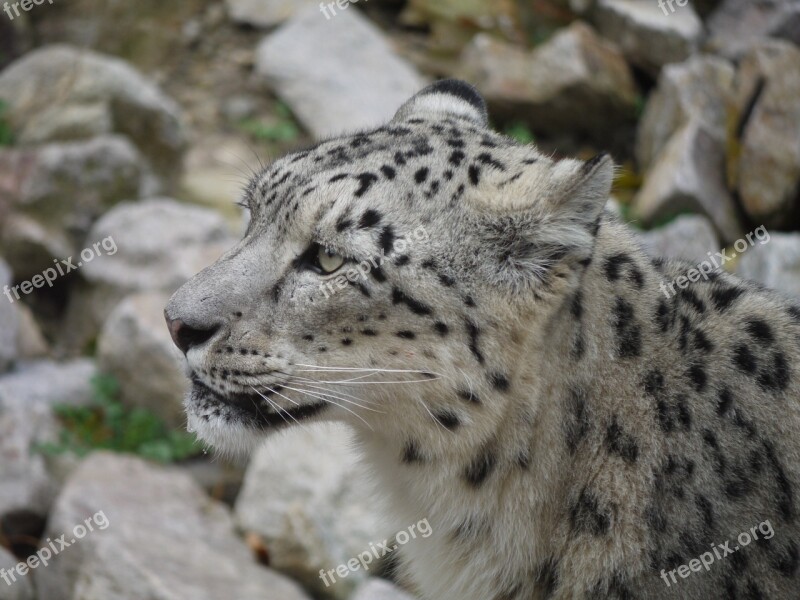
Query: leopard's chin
{"x": 236, "y": 425}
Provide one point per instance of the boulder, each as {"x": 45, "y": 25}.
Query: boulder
{"x": 774, "y": 262}
{"x": 688, "y": 177}
{"x": 767, "y": 160}
{"x": 31, "y": 344}
{"x": 19, "y": 589}
{"x": 380, "y": 589}
{"x": 304, "y": 496}
{"x": 338, "y": 75}
{"x": 266, "y": 13}
{"x": 61, "y": 92}
{"x": 56, "y": 191}
{"x": 27, "y": 397}
{"x": 689, "y": 237}
{"x": 9, "y": 320}
{"x": 701, "y": 89}
{"x": 647, "y": 36}
{"x": 155, "y": 534}
{"x": 737, "y": 25}
{"x": 135, "y": 346}
{"x": 575, "y": 82}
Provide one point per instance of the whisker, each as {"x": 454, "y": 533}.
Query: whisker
{"x": 324, "y": 399}
{"x": 334, "y": 395}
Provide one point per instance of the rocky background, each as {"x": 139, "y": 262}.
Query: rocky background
{"x": 139, "y": 122}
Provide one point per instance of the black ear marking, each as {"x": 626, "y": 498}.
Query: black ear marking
{"x": 459, "y": 89}
{"x": 448, "y": 97}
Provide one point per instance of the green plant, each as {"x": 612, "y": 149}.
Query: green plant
{"x": 106, "y": 424}
{"x": 520, "y": 132}
{"x": 6, "y": 135}
{"x": 283, "y": 130}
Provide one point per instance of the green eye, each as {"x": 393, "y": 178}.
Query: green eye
{"x": 328, "y": 262}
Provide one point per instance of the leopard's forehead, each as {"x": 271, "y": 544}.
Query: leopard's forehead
{"x": 420, "y": 165}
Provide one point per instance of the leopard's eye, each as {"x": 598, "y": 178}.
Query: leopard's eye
{"x": 328, "y": 262}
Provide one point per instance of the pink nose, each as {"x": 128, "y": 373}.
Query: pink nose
{"x": 186, "y": 337}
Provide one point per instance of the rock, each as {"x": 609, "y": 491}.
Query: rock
{"x": 27, "y": 397}
{"x": 380, "y": 589}
{"x": 649, "y": 38}
{"x": 60, "y": 92}
{"x": 337, "y": 75}
{"x": 159, "y": 244}
{"x": 9, "y": 321}
{"x": 155, "y": 535}
{"x": 266, "y": 13}
{"x": 20, "y": 588}
{"x": 737, "y": 25}
{"x": 574, "y": 82}
{"x": 93, "y": 174}
{"x": 135, "y": 347}
{"x": 689, "y": 237}
{"x": 688, "y": 177}
{"x": 774, "y": 262}
{"x": 700, "y": 88}
{"x": 303, "y": 495}
{"x": 30, "y": 341}
{"x": 768, "y": 172}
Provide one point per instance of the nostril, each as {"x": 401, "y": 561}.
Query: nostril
{"x": 186, "y": 337}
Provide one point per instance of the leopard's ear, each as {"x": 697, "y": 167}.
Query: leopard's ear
{"x": 448, "y": 97}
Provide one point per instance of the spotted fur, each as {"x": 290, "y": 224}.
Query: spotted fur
{"x": 567, "y": 430}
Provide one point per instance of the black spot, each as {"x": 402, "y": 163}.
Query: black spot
{"x": 370, "y": 218}
{"x": 421, "y": 175}
{"x": 441, "y": 328}
{"x": 759, "y": 330}
{"x": 621, "y": 443}
{"x": 411, "y": 453}
{"x": 586, "y": 515}
{"x": 613, "y": 264}
{"x": 488, "y": 159}
{"x": 418, "y": 308}
{"x": 576, "y": 306}
{"x": 386, "y": 239}
{"x": 346, "y": 341}
{"x": 776, "y": 379}
{"x": 701, "y": 342}
{"x": 629, "y": 339}
{"x": 577, "y": 424}
{"x": 663, "y": 316}
{"x": 402, "y": 260}
{"x": 343, "y": 223}
{"x": 469, "y": 396}
{"x": 338, "y": 177}
{"x": 794, "y": 313}
{"x": 499, "y": 382}
{"x": 698, "y": 376}
{"x": 468, "y": 301}
{"x": 474, "y": 173}
{"x": 448, "y": 419}
{"x": 388, "y": 172}
{"x": 724, "y": 297}
{"x": 369, "y": 332}
{"x": 456, "y": 157}
{"x": 406, "y": 335}
{"x": 474, "y": 333}
{"x": 308, "y": 337}
{"x": 654, "y": 382}
{"x": 480, "y": 468}
{"x": 744, "y": 359}
{"x": 724, "y": 401}
{"x": 691, "y": 298}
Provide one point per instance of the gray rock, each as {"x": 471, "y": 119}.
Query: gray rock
{"x": 27, "y": 397}
{"x": 31, "y": 344}
{"x": 649, "y": 38}
{"x": 380, "y": 589}
{"x": 93, "y": 174}
{"x": 688, "y": 177}
{"x": 160, "y": 244}
{"x": 266, "y": 13}
{"x": 689, "y": 237}
{"x": 61, "y": 92}
{"x": 337, "y": 75}
{"x": 768, "y": 173}
{"x": 775, "y": 263}
{"x": 303, "y": 495}
{"x": 575, "y": 82}
{"x": 135, "y": 346}
{"x": 737, "y": 25}
{"x": 21, "y": 588}
{"x": 9, "y": 321}
{"x": 156, "y": 535}
{"x": 700, "y": 88}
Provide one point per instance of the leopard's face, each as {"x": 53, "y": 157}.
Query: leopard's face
{"x": 380, "y": 279}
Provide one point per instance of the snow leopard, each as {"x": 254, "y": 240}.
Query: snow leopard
{"x": 509, "y": 365}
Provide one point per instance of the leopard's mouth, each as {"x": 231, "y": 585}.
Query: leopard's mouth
{"x": 253, "y": 409}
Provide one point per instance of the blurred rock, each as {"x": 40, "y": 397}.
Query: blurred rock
{"x": 92, "y": 175}
{"x": 61, "y": 93}
{"x": 774, "y": 263}
{"x": 163, "y": 538}
{"x": 380, "y": 589}
{"x": 9, "y": 321}
{"x": 737, "y": 25}
{"x": 21, "y": 589}
{"x": 160, "y": 244}
{"x": 700, "y": 88}
{"x": 649, "y": 38}
{"x": 688, "y": 177}
{"x": 30, "y": 341}
{"x": 337, "y": 75}
{"x": 135, "y": 346}
{"x": 266, "y": 13}
{"x": 303, "y": 494}
{"x": 689, "y": 237}
{"x": 575, "y": 82}
{"x": 27, "y": 397}
{"x": 768, "y": 173}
